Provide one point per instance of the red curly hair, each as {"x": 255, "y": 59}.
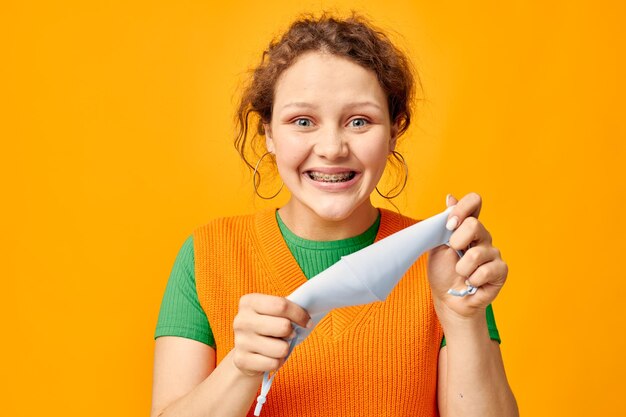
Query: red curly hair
{"x": 353, "y": 38}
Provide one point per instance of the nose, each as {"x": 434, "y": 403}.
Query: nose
{"x": 331, "y": 145}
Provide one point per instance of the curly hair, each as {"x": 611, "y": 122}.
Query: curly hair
{"x": 353, "y": 38}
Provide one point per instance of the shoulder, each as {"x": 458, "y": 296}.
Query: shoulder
{"x": 233, "y": 229}
{"x": 187, "y": 248}
{"x": 225, "y": 224}
{"x": 185, "y": 255}
{"x": 392, "y": 222}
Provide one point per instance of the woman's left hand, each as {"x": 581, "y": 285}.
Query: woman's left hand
{"x": 481, "y": 265}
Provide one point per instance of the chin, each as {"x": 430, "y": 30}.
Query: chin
{"x": 333, "y": 216}
{"x": 336, "y": 211}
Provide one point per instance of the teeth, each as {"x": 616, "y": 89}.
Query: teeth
{"x": 319, "y": 176}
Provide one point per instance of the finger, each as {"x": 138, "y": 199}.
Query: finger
{"x": 264, "y": 325}
{"x": 494, "y": 273}
{"x": 276, "y": 306}
{"x": 468, "y": 206}
{"x": 450, "y": 200}
{"x": 475, "y": 257}
{"x": 267, "y": 346}
{"x": 471, "y": 231}
{"x": 253, "y": 362}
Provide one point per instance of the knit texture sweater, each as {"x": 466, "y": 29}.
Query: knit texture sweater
{"x": 378, "y": 359}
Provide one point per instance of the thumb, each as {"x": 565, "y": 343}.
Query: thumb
{"x": 450, "y": 200}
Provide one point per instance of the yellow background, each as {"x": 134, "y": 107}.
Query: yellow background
{"x": 116, "y": 128}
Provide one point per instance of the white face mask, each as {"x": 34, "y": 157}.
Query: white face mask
{"x": 365, "y": 276}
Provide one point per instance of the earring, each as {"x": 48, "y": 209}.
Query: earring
{"x": 400, "y": 158}
{"x": 256, "y": 179}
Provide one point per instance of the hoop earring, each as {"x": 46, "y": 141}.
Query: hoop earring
{"x": 256, "y": 175}
{"x": 400, "y": 158}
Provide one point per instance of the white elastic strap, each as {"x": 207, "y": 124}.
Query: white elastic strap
{"x": 265, "y": 388}
{"x": 267, "y": 382}
{"x": 470, "y": 290}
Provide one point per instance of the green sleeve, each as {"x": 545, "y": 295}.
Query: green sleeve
{"x": 181, "y": 313}
{"x": 491, "y": 326}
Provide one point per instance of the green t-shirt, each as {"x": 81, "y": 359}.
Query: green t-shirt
{"x": 182, "y": 315}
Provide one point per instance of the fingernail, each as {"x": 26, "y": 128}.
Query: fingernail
{"x": 467, "y": 282}
{"x": 448, "y": 203}
{"x": 309, "y": 324}
{"x": 452, "y": 223}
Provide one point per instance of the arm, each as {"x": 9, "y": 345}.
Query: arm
{"x": 471, "y": 377}
{"x": 472, "y": 380}
{"x": 187, "y": 383}
{"x": 186, "y": 380}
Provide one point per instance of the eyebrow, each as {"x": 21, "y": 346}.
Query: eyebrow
{"x": 301, "y": 104}
{"x": 298, "y": 104}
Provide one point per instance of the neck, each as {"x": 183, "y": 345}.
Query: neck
{"x": 307, "y": 224}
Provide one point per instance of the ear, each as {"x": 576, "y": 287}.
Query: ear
{"x": 395, "y": 127}
{"x": 269, "y": 142}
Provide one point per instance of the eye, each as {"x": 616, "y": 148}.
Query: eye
{"x": 358, "y": 122}
{"x": 302, "y": 122}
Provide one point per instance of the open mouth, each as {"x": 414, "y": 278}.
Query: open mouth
{"x": 338, "y": 177}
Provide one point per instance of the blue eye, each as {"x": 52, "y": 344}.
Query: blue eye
{"x": 302, "y": 122}
{"x": 358, "y": 123}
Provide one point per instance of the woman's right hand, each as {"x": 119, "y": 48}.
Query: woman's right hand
{"x": 263, "y": 330}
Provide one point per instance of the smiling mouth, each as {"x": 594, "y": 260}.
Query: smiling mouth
{"x": 339, "y": 177}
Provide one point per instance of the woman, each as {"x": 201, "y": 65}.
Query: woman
{"x": 331, "y": 98}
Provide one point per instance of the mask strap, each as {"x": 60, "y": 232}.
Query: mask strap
{"x": 470, "y": 290}
{"x": 267, "y": 379}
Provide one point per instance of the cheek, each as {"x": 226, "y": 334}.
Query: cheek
{"x": 290, "y": 151}
{"x": 289, "y": 158}
{"x": 376, "y": 157}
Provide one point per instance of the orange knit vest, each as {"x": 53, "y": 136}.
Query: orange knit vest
{"x": 378, "y": 359}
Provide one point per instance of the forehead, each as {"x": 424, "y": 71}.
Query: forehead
{"x": 323, "y": 78}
